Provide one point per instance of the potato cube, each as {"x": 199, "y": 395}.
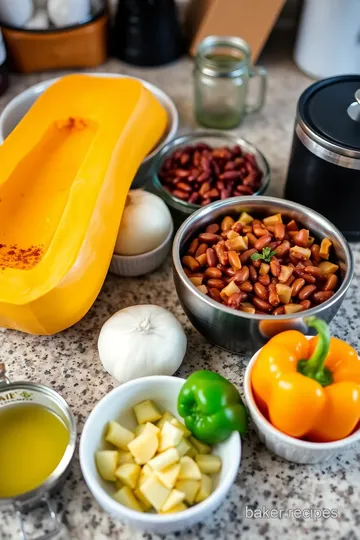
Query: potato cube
{"x": 146, "y": 428}
{"x": 189, "y": 470}
{"x": 146, "y": 471}
{"x": 128, "y": 473}
{"x": 144, "y": 503}
{"x": 118, "y": 485}
{"x": 189, "y": 487}
{"x": 146, "y": 411}
{"x": 125, "y": 457}
{"x": 107, "y": 462}
{"x": 178, "y": 508}
{"x": 165, "y": 459}
{"x": 205, "y": 488}
{"x": 166, "y": 417}
{"x": 208, "y": 464}
{"x": 176, "y": 497}
{"x": 183, "y": 447}
{"x": 144, "y": 447}
{"x": 245, "y": 218}
{"x": 170, "y": 437}
{"x": 272, "y": 220}
{"x": 192, "y": 451}
{"x": 155, "y": 492}
{"x": 179, "y": 425}
{"x": 126, "y": 497}
{"x": 201, "y": 447}
{"x": 118, "y": 435}
{"x": 139, "y": 430}
{"x": 169, "y": 475}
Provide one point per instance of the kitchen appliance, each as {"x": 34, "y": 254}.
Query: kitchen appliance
{"x": 328, "y": 40}
{"x": 324, "y": 168}
{"x": 147, "y": 32}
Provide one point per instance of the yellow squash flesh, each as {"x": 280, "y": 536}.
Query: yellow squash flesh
{"x": 65, "y": 172}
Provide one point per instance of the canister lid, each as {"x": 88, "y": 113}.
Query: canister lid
{"x": 330, "y": 113}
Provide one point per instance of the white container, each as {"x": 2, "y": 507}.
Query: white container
{"x": 118, "y": 405}
{"x": 65, "y": 13}
{"x": 138, "y": 265}
{"x": 287, "y": 447}
{"x": 328, "y": 40}
{"x": 15, "y": 12}
{"x": 19, "y": 106}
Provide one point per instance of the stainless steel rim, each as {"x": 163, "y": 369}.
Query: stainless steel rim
{"x": 207, "y": 210}
{"x": 324, "y": 149}
{"x": 210, "y": 67}
{"x": 55, "y": 476}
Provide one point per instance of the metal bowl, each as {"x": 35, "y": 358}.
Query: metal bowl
{"x": 180, "y": 210}
{"x": 238, "y": 331}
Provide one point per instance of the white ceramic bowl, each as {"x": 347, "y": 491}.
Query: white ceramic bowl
{"x": 19, "y": 106}
{"x": 117, "y": 405}
{"x": 138, "y": 265}
{"x": 287, "y": 447}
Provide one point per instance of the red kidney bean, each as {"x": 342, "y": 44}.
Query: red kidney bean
{"x": 306, "y": 292}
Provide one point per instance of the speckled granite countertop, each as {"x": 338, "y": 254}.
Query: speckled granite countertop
{"x": 69, "y": 361}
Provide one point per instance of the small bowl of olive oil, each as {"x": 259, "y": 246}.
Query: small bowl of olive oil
{"x": 38, "y": 435}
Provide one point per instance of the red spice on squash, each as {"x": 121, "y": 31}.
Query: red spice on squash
{"x": 20, "y": 258}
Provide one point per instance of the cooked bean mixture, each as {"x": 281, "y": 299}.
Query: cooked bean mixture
{"x": 201, "y": 174}
{"x": 269, "y": 266}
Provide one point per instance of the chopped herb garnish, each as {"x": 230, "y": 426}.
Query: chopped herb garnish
{"x": 265, "y": 255}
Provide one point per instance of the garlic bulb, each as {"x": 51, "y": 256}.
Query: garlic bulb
{"x": 145, "y": 224}
{"x": 139, "y": 341}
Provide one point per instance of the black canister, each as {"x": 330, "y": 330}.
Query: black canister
{"x": 324, "y": 168}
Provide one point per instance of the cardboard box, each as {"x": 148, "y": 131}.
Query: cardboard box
{"x": 251, "y": 20}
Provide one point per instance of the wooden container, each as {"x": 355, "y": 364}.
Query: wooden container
{"x": 83, "y": 45}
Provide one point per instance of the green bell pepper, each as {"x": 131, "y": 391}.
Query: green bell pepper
{"x": 211, "y": 407}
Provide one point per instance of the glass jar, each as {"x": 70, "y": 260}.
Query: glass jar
{"x": 222, "y": 72}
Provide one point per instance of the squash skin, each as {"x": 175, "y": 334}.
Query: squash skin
{"x": 128, "y": 121}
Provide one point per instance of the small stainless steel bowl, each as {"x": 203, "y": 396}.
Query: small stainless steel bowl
{"x": 235, "y": 330}
{"x": 180, "y": 210}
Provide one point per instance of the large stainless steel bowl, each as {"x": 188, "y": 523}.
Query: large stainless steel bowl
{"x": 235, "y": 330}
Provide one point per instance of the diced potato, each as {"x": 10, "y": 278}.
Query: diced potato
{"x": 264, "y": 269}
{"x": 145, "y": 473}
{"x": 169, "y": 475}
{"x": 189, "y": 470}
{"x": 208, "y": 464}
{"x": 192, "y": 452}
{"x": 301, "y": 253}
{"x": 165, "y": 459}
{"x": 178, "y": 508}
{"x": 197, "y": 280}
{"x": 146, "y": 411}
{"x": 325, "y": 248}
{"x": 205, "y": 488}
{"x": 284, "y": 292}
{"x": 201, "y": 447}
{"x": 189, "y": 487}
{"x": 272, "y": 220}
{"x": 176, "y": 497}
{"x": 183, "y": 447}
{"x": 155, "y": 492}
{"x": 232, "y": 234}
{"x": 245, "y": 218}
{"x": 126, "y": 497}
{"x": 170, "y": 436}
{"x": 166, "y": 417}
{"x": 118, "y": 485}
{"x": 144, "y": 447}
{"x": 292, "y": 308}
{"x": 203, "y": 289}
{"x": 240, "y": 243}
{"x": 128, "y": 473}
{"x": 179, "y": 425}
{"x": 107, "y": 462}
{"x": 125, "y": 457}
{"x": 146, "y": 428}
{"x": 144, "y": 503}
{"x": 328, "y": 268}
{"x": 118, "y": 435}
{"x": 285, "y": 273}
{"x": 230, "y": 289}
{"x": 139, "y": 430}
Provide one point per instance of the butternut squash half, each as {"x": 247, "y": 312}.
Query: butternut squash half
{"x": 65, "y": 172}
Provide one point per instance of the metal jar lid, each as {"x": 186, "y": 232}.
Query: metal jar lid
{"x": 328, "y": 120}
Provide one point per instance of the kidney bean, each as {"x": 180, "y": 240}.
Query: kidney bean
{"x": 289, "y": 281}
{"x": 246, "y": 287}
{"x": 201, "y": 249}
{"x": 306, "y": 304}
{"x": 297, "y": 286}
{"x": 261, "y": 304}
{"x": 180, "y": 194}
{"x": 313, "y": 271}
{"x": 216, "y": 284}
{"x": 306, "y": 292}
{"x": 279, "y": 231}
{"x": 280, "y": 310}
{"x": 184, "y": 187}
{"x": 226, "y": 270}
{"x": 251, "y": 239}
{"x": 321, "y": 296}
{"x": 215, "y": 294}
{"x": 331, "y": 283}
{"x": 235, "y": 300}
{"x": 211, "y": 257}
{"x": 315, "y": 253}
{"x": 253, "y": 274}
{"x": 292, "y": 226}
{"x": 213, "y": 228}
{"x": 274, "y": 299}
{"x": 234, "y": 260}
{"x": 194, "y": 197}
{"x": 275, "y": 267}
{"x": 264, "y": 279}
{"x": 260, "y": 291}
{"x": 245, "y": 256}
{"x": 259, "y": 230}
{"x": 221, "y": 253}
{"x": 213, "y": 273}
{"x": 283, "y": 249}
{"x": 307, "y": 277}
{"x": 241, "y": 275}
{"x": 208, "y": 238}
{"x": 302, "y": 238}
{"x": 205, "y": 202}
{"x": 193, "y": 246}
{"x": 237, "y": 227}
{"x": 191, "y": 263}
{"x": 263, "y": 241}
{"x": 256, "y": 264}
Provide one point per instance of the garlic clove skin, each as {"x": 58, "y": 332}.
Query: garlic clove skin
{"x": 141, "y": 341}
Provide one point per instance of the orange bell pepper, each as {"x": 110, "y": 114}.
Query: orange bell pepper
{"x": 308, "y": 388}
